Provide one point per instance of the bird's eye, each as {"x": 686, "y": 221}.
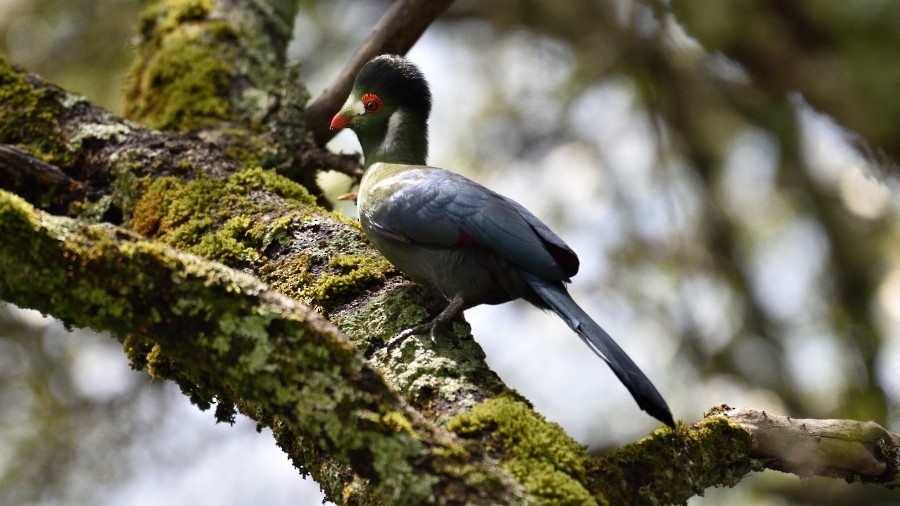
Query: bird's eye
{"x": 372, "y": 103}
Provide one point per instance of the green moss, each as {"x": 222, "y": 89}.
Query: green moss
{"x": 161, "y": 17}
{"x": 28, "y": 116}
{"x": 158, "y": 366}
{"x": 237, "y": 242}
{"x": 211, "y": 217}
{"x": 167, "y": 205}
{"x": 182, "y": 86}
{"x": 289, "y": 275}
{"x": 383, "y": 317}
{"x": 356, "y": 272}
{"x": 397, "y": 422}
{"x": 18, "y": 216}
{"x": 642, "y": 473}
{"x": 278, "y": 232}
{"x": 180, "y": 77}
{"x": 273, "y": 181}
{"x": 546, "y": 461}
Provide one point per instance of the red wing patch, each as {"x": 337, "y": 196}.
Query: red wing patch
{"x": 465, "y": 239}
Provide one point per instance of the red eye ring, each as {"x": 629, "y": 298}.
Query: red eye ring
{"x": 371, "y": 103}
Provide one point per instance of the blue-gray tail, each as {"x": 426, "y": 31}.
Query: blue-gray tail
{"x": 556, "y": 296}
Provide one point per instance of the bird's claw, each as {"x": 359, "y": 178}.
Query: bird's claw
{"x": 432, "y": 328}
{"x": 396, "y": 340}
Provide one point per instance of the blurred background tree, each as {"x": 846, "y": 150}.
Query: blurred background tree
{"x": 737, "y": 240}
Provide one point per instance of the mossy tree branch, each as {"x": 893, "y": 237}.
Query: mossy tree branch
{"x": 225, "y": 337}
{"x": 206, "y": 193}
{"x": 414, "y": 423}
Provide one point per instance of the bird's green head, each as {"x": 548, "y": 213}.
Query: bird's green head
{"x": 388, "y": 109}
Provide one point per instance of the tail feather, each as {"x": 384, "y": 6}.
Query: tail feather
{"x": 648, "y": 398}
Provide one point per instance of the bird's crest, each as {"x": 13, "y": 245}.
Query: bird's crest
{"x": 395, "y": 80}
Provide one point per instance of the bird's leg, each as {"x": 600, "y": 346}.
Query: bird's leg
{"x": 432, "y": 326}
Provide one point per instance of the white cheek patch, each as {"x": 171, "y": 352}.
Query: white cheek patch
{"x": 393, "y": 128}
{"x": 358, "y": 107}
{"x": 354, "y": 105}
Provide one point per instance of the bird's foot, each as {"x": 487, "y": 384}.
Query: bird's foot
{"x": 432, "y": 327}
{"x": 429, "y": 327}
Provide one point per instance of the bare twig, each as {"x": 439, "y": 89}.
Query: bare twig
{"x": 846, "y": 449}
{"x": 319, "y": 158}
{"x": 27, "y": 175}
{"x": 396, "y": 33}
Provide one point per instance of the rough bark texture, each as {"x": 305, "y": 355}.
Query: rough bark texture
{"x": 184, "y": 239}
{"x": 845, "y": 449}
{"x": 226, "y": 338}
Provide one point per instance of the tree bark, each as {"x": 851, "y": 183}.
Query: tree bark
{"x": 184, "y": 239}
{"x": 846, "y": 449}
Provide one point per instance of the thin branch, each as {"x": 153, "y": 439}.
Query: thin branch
{"x": 729, "y": 444}
{"x": 23, "y": 173}
{"x": 845, "y": 449}
{"x": 322, "y": 159}
{"x": 395, "y": 33}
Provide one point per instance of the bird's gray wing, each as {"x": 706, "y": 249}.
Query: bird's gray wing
{"x": 438, "y": 208}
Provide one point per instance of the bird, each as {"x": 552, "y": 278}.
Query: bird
{"x": 442, "y": 230}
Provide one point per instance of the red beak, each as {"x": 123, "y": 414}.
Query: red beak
{"x": 338, "y": 121}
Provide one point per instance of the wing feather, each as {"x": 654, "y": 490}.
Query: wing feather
{"x": 438, "y": 208}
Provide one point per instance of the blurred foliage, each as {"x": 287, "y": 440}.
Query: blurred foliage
{"x": 755, "y": 231}
{"x": 81, "y": 45}
{"x": 842, "y": 55}
{"x": 779, "y": 256}
{"x": 68, "y": 418}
